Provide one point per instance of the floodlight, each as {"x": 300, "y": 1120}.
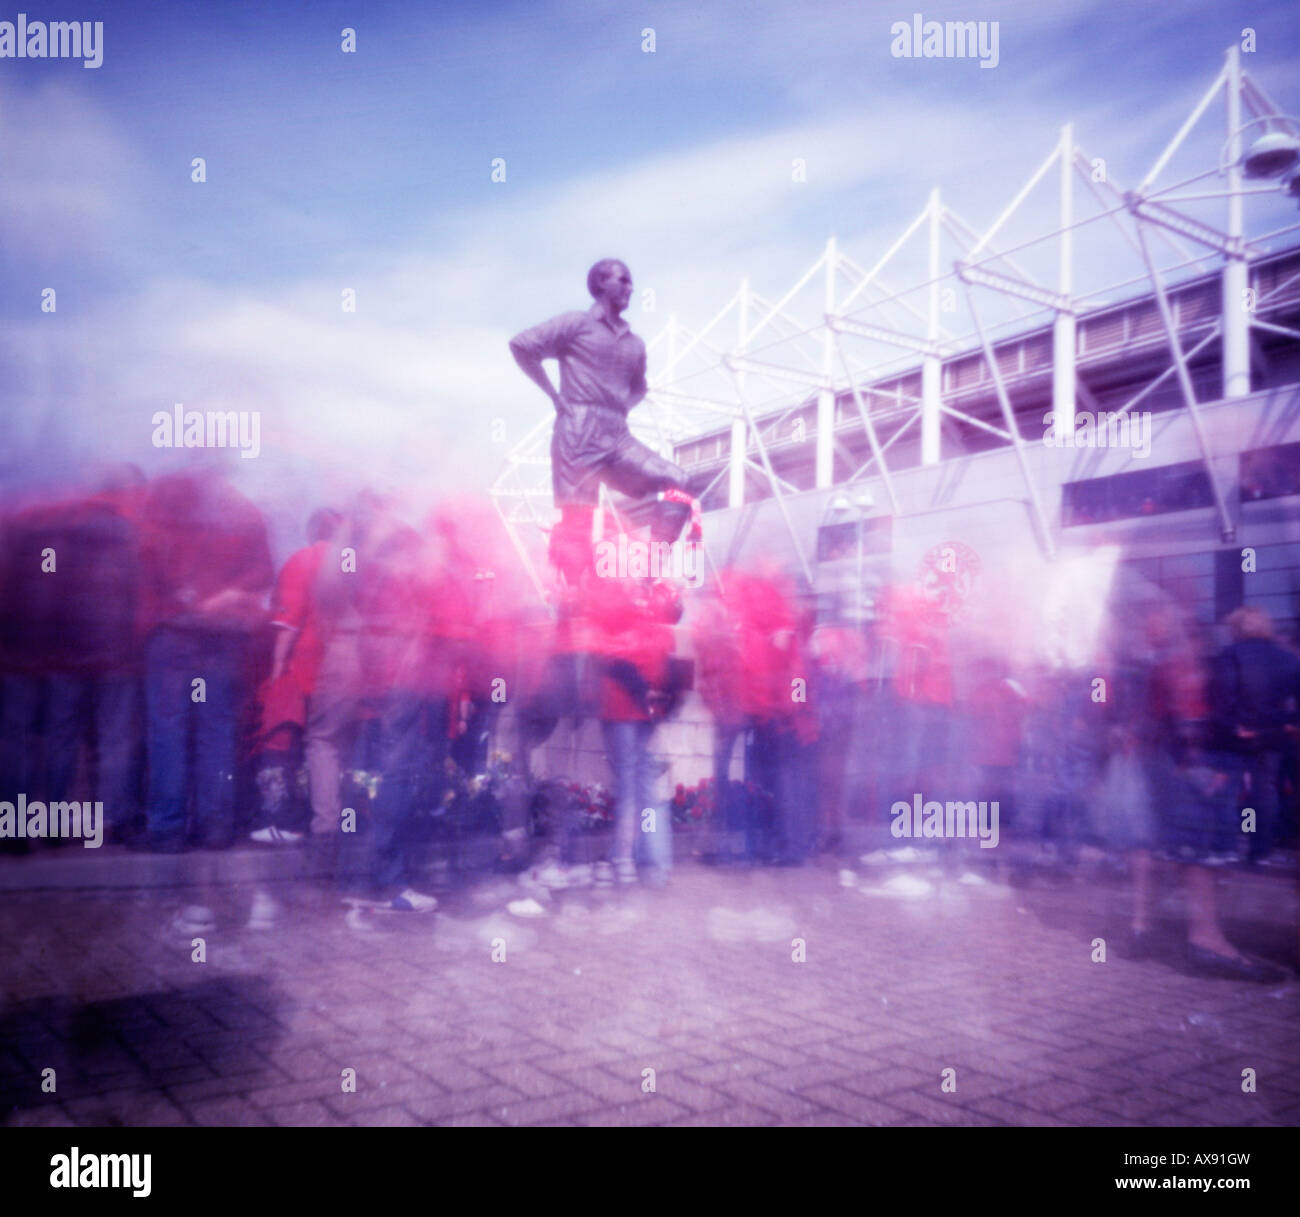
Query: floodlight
{"x": 1271, "y": 155}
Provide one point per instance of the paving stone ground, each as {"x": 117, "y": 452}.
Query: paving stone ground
{"x": 696, "y": 983}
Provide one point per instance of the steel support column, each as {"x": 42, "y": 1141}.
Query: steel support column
{"x": 1063, "y": 335}
{"x": 1008, "y": 416}
{"x": 931, "y": 368}
{"x": 1185, "y": 382}
{"x": 824, "y": 467}
{"x": 1236, "y": 273}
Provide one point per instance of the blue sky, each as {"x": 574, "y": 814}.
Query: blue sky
{"x": 372, "y": 171}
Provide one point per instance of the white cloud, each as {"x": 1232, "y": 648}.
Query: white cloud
{"x": 408, "y": 386}
{"x": 69, "y": 173}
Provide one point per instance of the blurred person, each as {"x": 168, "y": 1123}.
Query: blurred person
{"x": 299, "y": 719}
{"x": 70, "y": 609}
{"x": 630, "y": 633}
{"x": 1256, "y": 690}
{"x": 999, "y": 704}
{"x": 460, "y": 533}
{"x": 503, "y": 664}
{"x": 527, "y": 657}
{"x": 207, "y": 574}
{"x": 839, "y": 658}
{"x": 1062, "y": 762}
{"x": 801, "y": 724}
{"x": 407, "y": 675}
{"x": 333, "y": 703}
{"x": 915, "y": 707}
{"x": 716, "y": 636}
{"x": 766, "y": 636}
{"x": 1180, "y": 809}
{"x": 750, "y": 658}
{"x": 483, "y": 570}
{"x": 602, "y": 377}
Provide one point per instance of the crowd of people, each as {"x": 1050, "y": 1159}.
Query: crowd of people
{"x": 153, "y": 655}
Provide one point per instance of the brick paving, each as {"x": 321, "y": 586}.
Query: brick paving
{"x": 696, "y": 983}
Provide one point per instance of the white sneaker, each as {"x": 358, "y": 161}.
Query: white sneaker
{"x": 908, "y": 887}
{"x": 526, "y": 908}
{"x": 604, "y": 874}
{"x": 900, "y": 887}
{"x": 275, "y": 836}
{"x": 357, "y": 918}
{"x": 411, "y": 901}
{"x": 625, "y": 870}
{"x": 195, "y": 919}
{"x": 550, "y": 875}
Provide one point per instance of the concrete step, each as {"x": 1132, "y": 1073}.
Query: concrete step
{"x": 115, "y": 866}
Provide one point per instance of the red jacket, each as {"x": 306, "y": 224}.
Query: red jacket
{"x": 201, "y": 539}
{"x": 293, "y": 606}
{"x": 630, "y": 639}
{"x": 915, "y": 628}
{"x": 84, "y": 613}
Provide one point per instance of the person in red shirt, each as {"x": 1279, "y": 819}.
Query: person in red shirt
{"x": 300, "y": 712}
{"x": 784, "y": 712}
{"x": 716, "y": 637}
{"x": 755, "y": 682}
{"x": 918, "y": 727}
{"x": 997, "y": 710}
{"x": 410, "y": 651}
{"x": 632, "y": 641}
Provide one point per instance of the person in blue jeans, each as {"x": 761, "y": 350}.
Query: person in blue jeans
{"x": 1254, "y": 697}
{"x": 68, "y": 650}
{"x": 192, "y": 740}
{"x": 407, "y": 657}
{"x": 207, "y": 571}
{"x": 412, "y": 752}
{"x": 633, "y": 644}
{"x": 636, "y": 836}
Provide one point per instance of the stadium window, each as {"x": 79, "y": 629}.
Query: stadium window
{"x": 1124, "y": 496}
{"x": 836, "y": 542}
{"x": 1269, "y": 473}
